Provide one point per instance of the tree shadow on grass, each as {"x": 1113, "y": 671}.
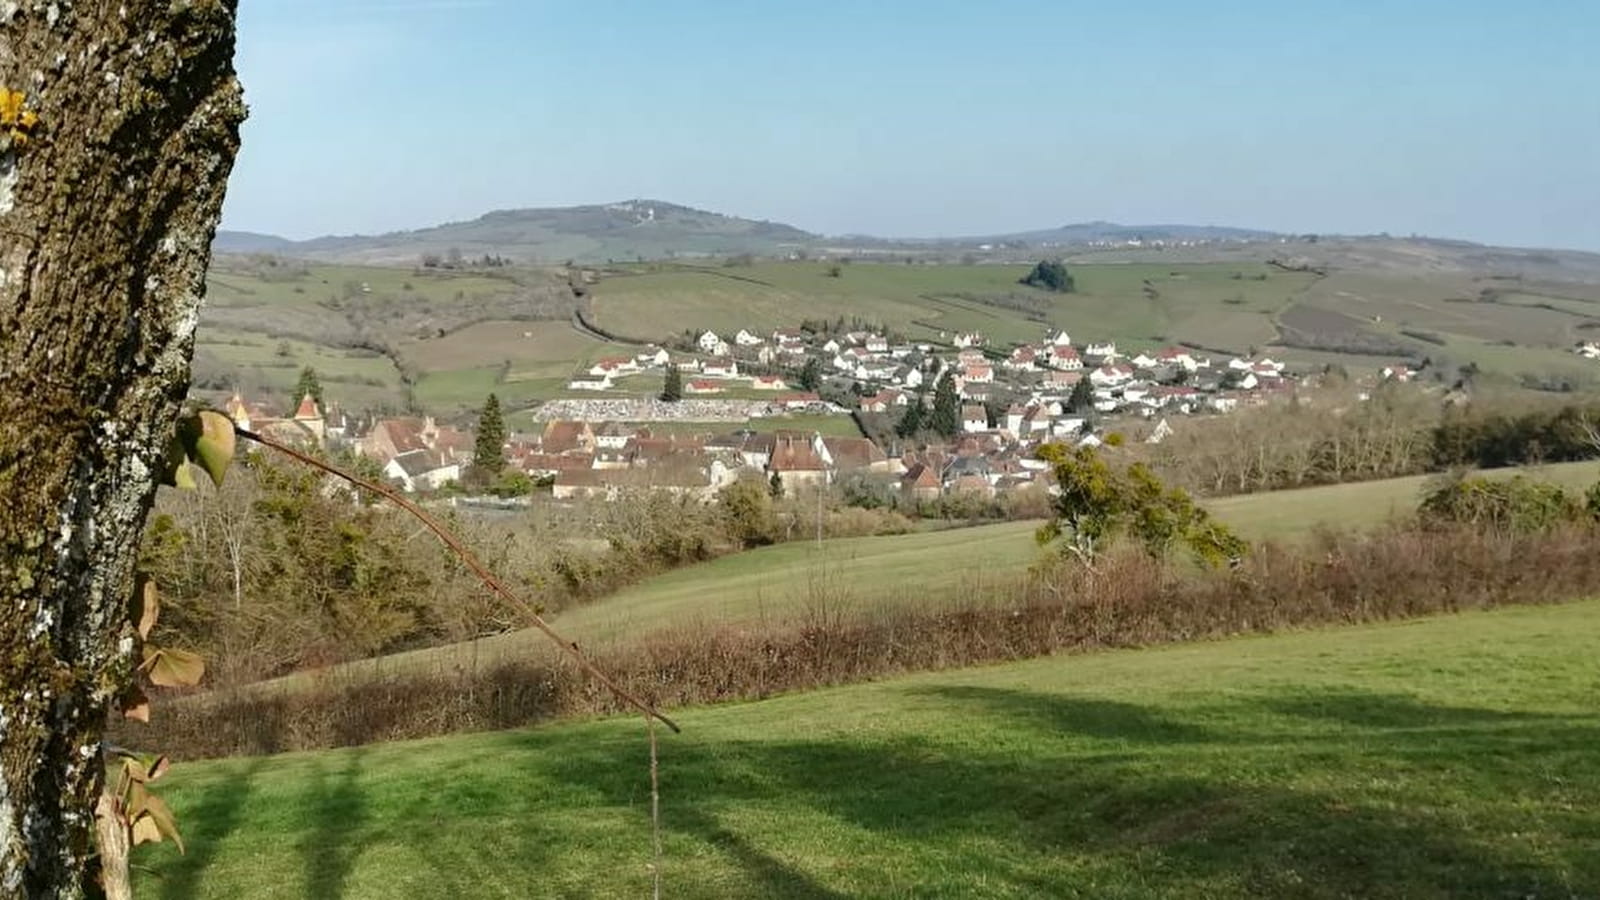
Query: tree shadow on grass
{"x": 338, "y": 811}
{"x": 1390, "y": 711}
{"x": 205, "y": 824}
{"x": 1233, "y": 819}
{"x": 1106, "y": 719}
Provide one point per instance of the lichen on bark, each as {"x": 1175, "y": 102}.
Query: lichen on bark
{"x": 106, "y": 218}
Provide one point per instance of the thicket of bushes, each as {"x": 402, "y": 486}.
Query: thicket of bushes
{"x": 283, "y": 570}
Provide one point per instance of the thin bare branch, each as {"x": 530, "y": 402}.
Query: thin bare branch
{"x": 655, "y": 811}
{"x": 488, "y": 578}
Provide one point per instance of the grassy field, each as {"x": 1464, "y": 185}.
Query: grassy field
{"x": 1451, "y": 757}
{"x": 1202, "y": 303}
{"x": 462, "y": 334}
{"x": 795, "y": 581}
{"x": 1470, "y": 320}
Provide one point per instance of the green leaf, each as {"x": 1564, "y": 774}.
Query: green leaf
{"x": 213, "y": 447}
{"x": 183, "y": 478}
{"x": 173, "y": 668}
{"x": 174, "y": 467}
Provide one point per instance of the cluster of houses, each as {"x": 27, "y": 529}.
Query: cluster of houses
{"x": 605, "y": 460}
{"x": 416, "y": 453}
{"x": 1012, "y": 401}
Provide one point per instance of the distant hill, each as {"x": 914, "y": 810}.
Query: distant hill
{"x": 250, "y": 242}
{"x": 655, "y": 230}
{"x": 1098, "y": 232}
{"x": 651, "y": 229}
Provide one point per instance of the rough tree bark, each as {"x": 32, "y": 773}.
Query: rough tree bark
{"x": 106, "y": 219}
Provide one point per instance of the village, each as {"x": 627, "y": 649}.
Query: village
{"x": 1007, "y": 403}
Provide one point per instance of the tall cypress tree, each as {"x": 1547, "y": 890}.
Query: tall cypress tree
{"x": 672, "y": 386}
{"x": 489, "y": 454}
{"x": 1082, "y": 399}
{"x": 911, "y": 422}
{"x": 946, "y": 416}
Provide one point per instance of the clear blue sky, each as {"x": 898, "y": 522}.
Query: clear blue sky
{"x": 1457, "y": 118}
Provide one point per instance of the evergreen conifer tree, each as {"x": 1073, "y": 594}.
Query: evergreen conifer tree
{"x": 489, "y": 455}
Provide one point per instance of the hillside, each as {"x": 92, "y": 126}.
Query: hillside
{"x": 633, "y": 229}
{"x": 386, "y": 337}
{"x": 655, "y": 229}
{"x": 851, "y": 577}
{"x": 1445, "y": 758}
{"x": 1368, "y": 306}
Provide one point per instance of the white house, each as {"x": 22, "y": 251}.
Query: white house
{"x": 769, "y": 383}
{"x": 420, "y": 470}
{"x": 831, "y": 346}
{"x": 613, "y": 436}
{"x": 703, "y": 386}
{"x": 1106, "y": 351}
{"x": 1110, "y": 375}
{"x": 1014, "y": 418}
{"x": 590, "y": 383}
{"x": 745, "y": 339}
{"x": 1023, "y": 359}
{"x": 1145, "y": 361}
{"x": 709, "y": 342}
{"x": 1064, "y": 359}
{"x": 1061, "y": 339}
{"x": 910, "y": 376}
{"x": 884, "y": 401}
{"x": 967, "y": 339}
{"x": 974, "y": 419}
{"x": 877, "y": 343}
{"x": 1177, "y": 356}
{"x": 653, "y": 356}
{"x": 721, "y": 367}
{"x": 876, "y": 371}
{"x": 978, "y": 375}
{"x": 613, "y": 366}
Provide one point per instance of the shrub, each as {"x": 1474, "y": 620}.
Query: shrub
{"x": 1516, "y": 504}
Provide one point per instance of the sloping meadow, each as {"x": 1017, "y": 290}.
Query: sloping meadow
{"x": 1127, "y": 600}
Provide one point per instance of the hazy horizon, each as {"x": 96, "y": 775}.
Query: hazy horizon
{"x": 1470, "y": 120}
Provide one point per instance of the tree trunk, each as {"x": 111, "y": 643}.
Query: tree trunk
{"x": 106, "y": 218}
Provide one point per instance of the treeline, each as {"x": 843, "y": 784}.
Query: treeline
{"x": 1327, "y": 437}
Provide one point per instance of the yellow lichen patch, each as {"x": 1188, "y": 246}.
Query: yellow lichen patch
{"x": 17, "y": 121}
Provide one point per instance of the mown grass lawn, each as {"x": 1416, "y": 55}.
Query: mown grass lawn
{"x": 1452, "y": 757}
